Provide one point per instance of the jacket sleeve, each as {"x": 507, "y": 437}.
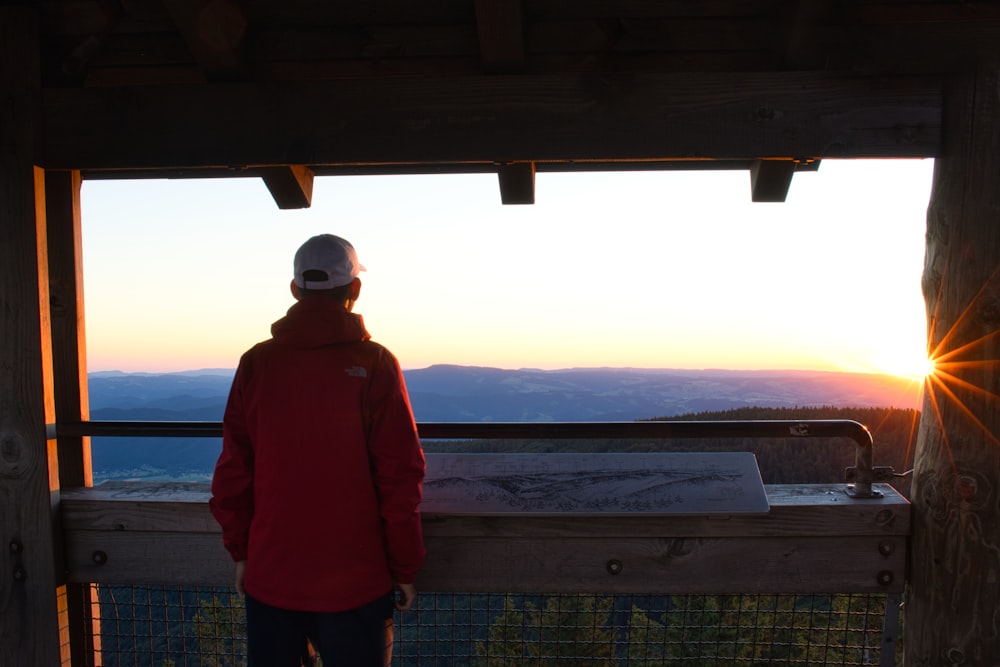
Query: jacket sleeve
{"x": 232, "y": 482}
{"x": 397, "y": 462}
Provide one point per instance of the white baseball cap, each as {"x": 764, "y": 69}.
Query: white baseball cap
{"x": 330, "y": 255}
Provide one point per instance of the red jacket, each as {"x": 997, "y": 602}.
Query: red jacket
{"x": 321, "y": 470}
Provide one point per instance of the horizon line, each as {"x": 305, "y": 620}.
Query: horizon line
{"x": 230, "y": 370}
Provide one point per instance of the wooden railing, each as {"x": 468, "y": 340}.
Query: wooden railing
{"x": 814, "y": 539}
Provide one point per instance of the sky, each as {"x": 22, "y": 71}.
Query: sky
{"x": 623, "y": 269}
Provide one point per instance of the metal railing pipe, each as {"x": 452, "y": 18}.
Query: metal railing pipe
{"x": 862, "y": 475}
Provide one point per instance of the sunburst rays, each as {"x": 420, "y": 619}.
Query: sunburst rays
{"x": 947, "y": 384}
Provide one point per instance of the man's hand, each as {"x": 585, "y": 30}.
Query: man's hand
{"x": 408, "y": 593}
{"x": 241, "y": 573}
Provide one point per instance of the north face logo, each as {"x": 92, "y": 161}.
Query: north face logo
{"x": 356, "y": 372}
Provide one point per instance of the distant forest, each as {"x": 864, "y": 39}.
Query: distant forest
{"x": 781, "y": 460}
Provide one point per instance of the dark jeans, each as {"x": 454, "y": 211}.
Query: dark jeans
{"x": 360, "y": 637}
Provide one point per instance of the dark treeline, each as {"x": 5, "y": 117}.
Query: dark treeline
{"x": 781, "y": 460}
{"x": 822, "y": 460}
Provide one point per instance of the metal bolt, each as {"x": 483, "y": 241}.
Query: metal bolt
{"x": 19, "y": 574}
{"x": 99, "y": 557}
{"x": 614, "y": 567}
{"x": 886, "y": 548}
{"x": 16, "y": 547}
{"x": 885, "y": 577}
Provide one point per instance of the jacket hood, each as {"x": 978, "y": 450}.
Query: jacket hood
{"x": 317, "y": 321}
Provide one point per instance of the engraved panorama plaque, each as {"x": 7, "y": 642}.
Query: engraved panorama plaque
{"x": 671, "y": 483}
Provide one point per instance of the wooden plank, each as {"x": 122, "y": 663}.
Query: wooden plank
{"x": 950, "y": 608}
{"x": 501, "y": 35}
{"x": 664, "y": 566}
{"x": 656, "y": 565}
{"x": 930, "y": 47}
{"x": 542, "y": 64}
{"x": 69, "y": 351}
{"x": 808, "y": 37}
{"x": 394, "y": 45}
{"x": 817, "y": 510}
{"x": 880, "y": 38}
{"x": 127, "y": 557}
{"x": 571, "y": 117}
{"x": 29, "y": 606}
{"x": 835, "y": 515}
{"x": 83, "y": 510}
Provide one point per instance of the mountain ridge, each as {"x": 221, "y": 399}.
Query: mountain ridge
{"x": 446, "y": 392}
{"x": 472, "y": 394}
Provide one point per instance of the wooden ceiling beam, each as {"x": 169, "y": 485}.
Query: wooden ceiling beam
{"x": 770, "y": 179}
{"x": 570, "y": 117}
{"x": 291, "y": 186}
{"x": 422, "y": 168}
{"x": 517, "y": 182}
{"x": 501, "y": 35}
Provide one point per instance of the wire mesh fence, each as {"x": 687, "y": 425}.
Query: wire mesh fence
{"x": 168, "y": 626}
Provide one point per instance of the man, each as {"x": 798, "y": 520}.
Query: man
{"x": 320, "y": 476}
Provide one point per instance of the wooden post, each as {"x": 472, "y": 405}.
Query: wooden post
{"x": 954, "y": 590}
{"x": 29, "y": 608}
{"x": 69, "y": 369}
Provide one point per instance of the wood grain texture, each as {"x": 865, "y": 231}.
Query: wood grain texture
{"x": 608, "y": 116}
{"x": 501, "y": 35}
{"x": 950, "y": 614}
{"x": 819, "y": 510}
{"x": 29, "y": 607}
{"x": 815, "y": 539}
{"x": 664, "y": 565}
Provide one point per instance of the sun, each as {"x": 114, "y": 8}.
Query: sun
{"x": 915, "y": 367}
{"x": 929, "y": 366}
